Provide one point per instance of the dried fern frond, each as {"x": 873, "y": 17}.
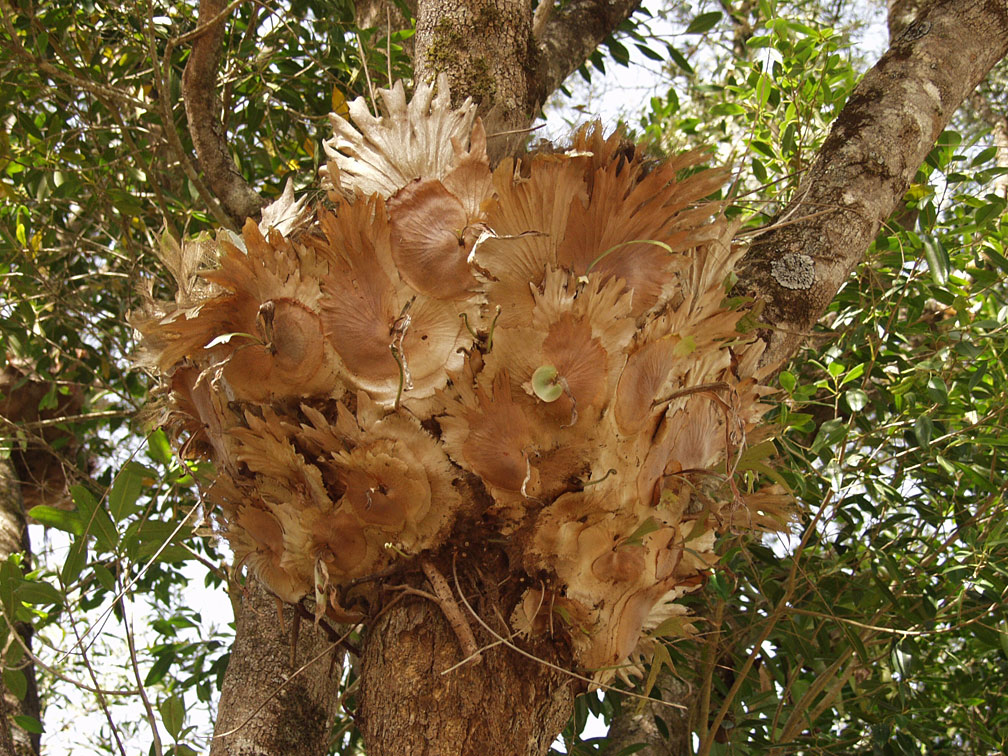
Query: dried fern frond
{"x": 539, "y": 355}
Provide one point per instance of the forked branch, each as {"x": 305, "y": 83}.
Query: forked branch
{"x": 203, "y": 111}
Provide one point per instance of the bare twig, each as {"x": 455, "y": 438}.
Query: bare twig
{"x": 79, "y": 685}
{"x": 151, "y": 718}
{"x": 451, "y": 611}
{"x": 94, "y": 679}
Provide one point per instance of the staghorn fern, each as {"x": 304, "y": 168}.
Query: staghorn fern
{"x": 540, "y": 351}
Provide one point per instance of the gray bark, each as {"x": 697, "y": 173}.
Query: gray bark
{"x": 13, "y": 540}
{"x": 203, "y": 111}
{"x": 875, "y": 147}
{"x": 264, "y": 708}
{"x": 485, "y": 48}
{"x": 509, "y": 62}
{"x": 634, "y": 725}
{"x": 902, "y": 13}
{"x": 496, "y": 52}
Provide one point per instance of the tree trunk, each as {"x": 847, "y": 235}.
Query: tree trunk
{"x": 507, "y": 60}
{"x": 265, "y": 708}
{"x": 902, "y": 13}
{"x": 14, "y": 539}
{"x": 633, "y": 726}
{"x": 485, "y": 48}
{"x": 864, "y": 168}
{"x": 495, "y": 52}
{"x": 498, "y": 53}
{"x": 503, "y": 705}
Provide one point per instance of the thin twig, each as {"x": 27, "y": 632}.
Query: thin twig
{"x": 127, "y": 626}
{"x": 367, "y": 73}
{"x": 556, "y": 667}
{"x": 56, "y": 673}
{"x": 94, "y": 679}
{"x": 451, "y": 611}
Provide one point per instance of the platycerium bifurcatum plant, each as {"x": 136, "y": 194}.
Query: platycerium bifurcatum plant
{"x": 541, "y": 351}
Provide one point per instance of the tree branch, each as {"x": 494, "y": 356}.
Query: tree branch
{"x": 199, "y": 92}
{"x": 876, "y": 145}
{"x": 567, "y": 33}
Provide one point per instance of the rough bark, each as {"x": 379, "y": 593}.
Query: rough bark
{"x": 485, "y": 48}
{"x": 14, "y": 539}
{"x": 494, "y": 51}
{"x": 566, "y": 33}
{"x": 203, "y": 111}
{"x": 862, "y": 172}
{"x": 902, "y": 13}
{"x": 634, "y": 726}
{"x": 264, "y": 709}
{"x": 880, "y": 138}
{"x": 503, "y": 705}
{"x": 509, "y": 62}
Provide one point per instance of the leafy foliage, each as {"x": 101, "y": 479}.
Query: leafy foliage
{"x": 878, "y": 628}
{"x": 868, "y": 630}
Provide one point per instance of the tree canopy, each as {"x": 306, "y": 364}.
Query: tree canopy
{"x": 876, "y": 625}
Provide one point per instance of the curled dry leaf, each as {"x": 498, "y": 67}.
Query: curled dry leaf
{"x": 539, "y": 355}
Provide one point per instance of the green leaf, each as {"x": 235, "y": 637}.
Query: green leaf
{"x": 16, "y": 682}
{"x": 704, "y": 22}
{"x": 763, "y": 86}
{"x": 61, "y": 519}
{"x": 650, "y": 525}
{"x": 105, "y": 576}
{"x": 172, "y": 711}
{"x": 126, "y": 490}
{"x": 75, "y": 560}
{"x": 984, "y": 156}
{"x": 158, "y": 447}
{"x": 160, "y": 667}
{"x": 924, "y": 430}
{"x": 937, "y": 390}
{"x": 762, "y": 147}
{"x": 937, "y": 260}
{"x": 36, "y": 592}
{"x": 144, "y": 538}
{"x": 28, "y": 724}
{"x": 857, "y": 399}
{"x": 679, "y": 59}
{"x": 660, "y": 659}
{"x": 647, "y": 52}
{"x": 95, "y": 518}
{"x": 990, "y": 211}
{"x": 618, "y": 52}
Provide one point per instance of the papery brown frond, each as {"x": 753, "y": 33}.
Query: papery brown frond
{"x": 411, "y": 141}
{"x": 539, "y": 354}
